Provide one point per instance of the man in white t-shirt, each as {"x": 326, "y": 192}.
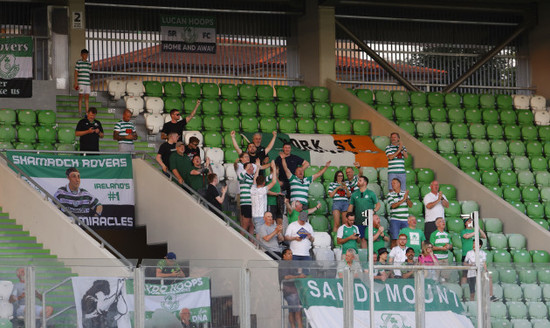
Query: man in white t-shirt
{"x": 435, "y": 203}
{"x": 300, "y": 235}
{"x": 398, "y": 254}
{"x": 258, "y": 193}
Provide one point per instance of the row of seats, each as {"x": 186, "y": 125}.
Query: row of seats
{"x": 38, "y": 146}
{"x": 42, "y": 134}
{"x": 27, "y": 117}
{"x": 118, "y": 89}
{"x": 450, "y": 100}
{"x": 497, "y": 147}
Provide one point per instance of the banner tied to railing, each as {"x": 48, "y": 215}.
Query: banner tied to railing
{"x": 110, "y": 302}
{"x": 323, "y": 301}
{"x": 97, "y": 189}
{"x": 16, "y": 67}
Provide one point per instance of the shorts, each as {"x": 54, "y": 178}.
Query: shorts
{"x": 21, "y": 311}
{"x": 362, "y": 230}
{"x": 275, "y": 211}
{"x": 246, "y": 211}
{"x": 293, "y": 301}
{"x": 258, "y": 221}
{"x": 84, "y": 89}
{"x": 472, "y": 284}
{"x": 396, "y": 226}
{"x": 340, "y": 205}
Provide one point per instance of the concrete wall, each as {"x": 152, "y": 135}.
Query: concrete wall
{"x": 539, "y": 51}
{"x": 467, "y": 188}
{"x": 43, "y": 97}
{"x": 52, "y": 228}
{"x": 194, "y": 233}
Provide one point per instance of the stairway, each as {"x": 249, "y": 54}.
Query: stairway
{"x": 67, "y": 117}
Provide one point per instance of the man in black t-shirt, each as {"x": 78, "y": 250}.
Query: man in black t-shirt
{"x": 177, "y": 125}
{"x": 165, "y": 150}
{"x": 192, "y": 148}
{"x": 212, "y": 194}
{"x": 90, "y": 131}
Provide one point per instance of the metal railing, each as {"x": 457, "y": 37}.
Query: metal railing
{"x": 427, "y": 87}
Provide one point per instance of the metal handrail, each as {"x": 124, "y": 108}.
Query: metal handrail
{"x": 428, "y": 85}
{"x": 44, "y": 295}
{"x": 50, "y": 197}
{"x": 206, "y": 76}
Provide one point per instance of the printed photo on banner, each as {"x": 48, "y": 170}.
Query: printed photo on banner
{"x": 101, "y": 302}
{"x": 99, "y": 190}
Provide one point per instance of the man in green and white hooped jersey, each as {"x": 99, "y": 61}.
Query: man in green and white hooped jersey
{"x": 82, "y": 70}
{"x": 299, "y": 185}
{"x": 125, "y": 132}
{"x": 396, "y": 154}
{"x": 441, "y": 241}
{"x": 399, "y": 202}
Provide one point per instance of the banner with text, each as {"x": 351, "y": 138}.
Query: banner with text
{"x": 394, "y": 304}
{"x": 188, "y": 34}
{"x": 97, "y": 189}
{"x": 16, "y": 67}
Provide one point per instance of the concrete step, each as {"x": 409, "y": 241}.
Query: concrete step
{"x": 65, "y": 102}
{"x": 6, "y": 220}
{"x": 73, "y": 121}
{"x": 71, "y": 108}
{"x": 72, "y": 98}
{"x": 9, "y": 227}
{"x": 17, "y": 239}
{"x": 20, "y": 246}
{"x": 21, "y": 251}
{"x": 13, "y": 233}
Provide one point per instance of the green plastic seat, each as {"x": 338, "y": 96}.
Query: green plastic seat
{"x": 534, "y": 148}
{"x": 320, "y": 94}
{"x": 400, "y": 97}
{"x": 189, "y": 104}
{"x": 469, "y": 206}
{"x": 498, "y": 311}
{"x": 474, "y": 174}
{"x": 508, "y": 117}
{"x": 446, "y": 146}
{"x": 540, "y": 256}
{"x": 507, "y": 275}
{"x": 267, "y": 109}
{"x": 521, "y": 163}
{"x": 26, "y": 134}
{"x": 191, "y": 89}
{"x": 424, "y": 129}
{"x": 425, "y": 176}
{"x": 420, "y": 113}
{"x": 490, "y": 116}
{"x": 213, "y": 139}
{"x": 171, "y": 103}
{"x": 7, "y": 116}
{"x": 535, "y": 210}
{"x": 329, "y": 173}
{"x": 227, "y": 139}
{"x": 231, "y": 123}
{"x": 489, "y": 178}
{"x": 519, "y": 206}
{"x": 287, "y": 125}
{"x": 325, "y": 126}
{"x": 499, "y": 147}
{"x": 544, "y": 133}
{"x": 247, "y": 91}
{"x": 525, "y": 117}
{"x": 529, "y": 133}
{"x": 487, "y": 101}
{"x": 65, "y": 147}
{"x": 248, "y": 108}
{"x": 547, "y": 149}
{"x": 530, "y": 194}
{"x": 6, "y": 145}
{"x": 453, "y": 100}
{"x": 527, "y": 276}
{"x": 386, "y": 111}
{"x": 172, "y": 89}
{"x": 229, "y": 91}
{"x": 230, "y": 107}
{"x": 323, "y": 209}
{"x": 516, "y": 148}
{"x": 438, "y": 114}
{"x": 230, "y": 155}
{"x": 453, "y": 210}
{"x": 8, "y": 132}
{"x": 505, "y": 102}
{"x": 403, "y": 113}
{"x": 473, "y": 115}
{"x": 250, "y": 124}
{"x": 470, "y": 100}
{"x": 525, "y": 178}
{"x": 319, "y": 223}
{"x": 417, "y": 209}
{"x": 494, "y": 131}
{"x": 498, "y": 241}
{"x": 195, "y": 124}
{"x": 47, "y": 134}
{"x": 153, "y": 89}
{"x": 542, "y": 179}
{"x": 485, "y": 162}
{"x": 306, "y": 125}
{"x": 46, "y": 117}
{"x": 511, "y": 193}
{"x": 482, "y": 147}
{"x": 512, "y": 294}
{"x": 361, "y": 127}
{"x": 340, "y": 111}
{"x": 66, "y": 136}
{"x": 212, "y": 123}
{"x": 265, "y": 92}
{"x": 382, "y": 97}
{"x": 302, "y": 93}
{"x": 508, "y": 178}
{"x": 442, "y": 130}
{"x": 284, "y": 93}
{"x": 26, "y": 117}
{"x": 210, "y": 90}
{"x": 210, "y": 107}
{"x": 502, "y": 256}
{"x": 512, "y": 132}
{"x": 538, "y": 163}
{"x": 418, "y": 98}
{"x": 459, "y": 131}
{"x": 537, "y": 309}
{"x": 365, "y": 95}
{"x": 435, "y": 99}
{"x": 381, "y": 142}
{"x": 305, "y": 110}
{"x": 268, "y": 124}
{"x": 493, "y": 225}
{"x": 409, "y": 127}
{"x": 477, "y": 131}
{"x": 448, "y": 190}
{"x": 316, "y": 190}
{"x": 44, "y": 146}
{"x": 517, "y": 241}
{"x": 497, "y": 190}
{"x": 463, "y": 147}
{"x": 454, "y": 225}
{"x": 24, "y": 146}
{"x": 414, "y": 191}
{"x": 545, "y": 197}
{"x": 343, "y": 126}
{"x": 311, "y": 170}
{"x": 285, "y": 109}
{"x": 431, "y": 143}
{"x": 456, "y": 115}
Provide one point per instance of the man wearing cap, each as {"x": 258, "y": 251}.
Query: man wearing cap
{"x": 82, "y": 71}
{"x": 77, "y": 200}
{"x": 300, "y": 235}
{"x": 180, "y": 163}
{"x": 168, "y": 267}
{"x": 176, "y": 124}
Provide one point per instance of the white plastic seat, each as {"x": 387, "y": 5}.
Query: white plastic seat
{"x": 135, "y": 105}
{"x": 116, "y": 88}
{"x": 337, "y": 253}
{"x": 233, "y": 188}
{"x": 542, "y": 117}
{"x": 135, "y": 88}
{"x": 189, "y": 134}
{"x": 219, "y": 170}
{"x": 154, "y": 105}
{"x": 167, "y": 118}
{"x": 324, "y": 255}
{"x": 521, "y": 102}
{"x": 230, "y": 173}
{"x": 215, "y": 154}
{"x": 538, "y": 103}
{"x": 153, "y": 122}
{"x": 321, "y": 240}
{"x": 6, "y": 308}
